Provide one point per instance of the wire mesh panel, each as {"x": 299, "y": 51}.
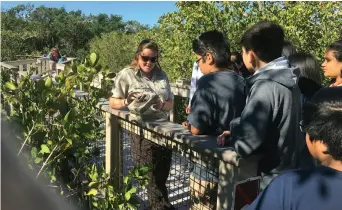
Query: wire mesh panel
{"x": 180, "y": 178}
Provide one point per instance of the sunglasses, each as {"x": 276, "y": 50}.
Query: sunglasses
{"x": 147, "y": 58}
{"x": 145, "y": 41}
{"x": 197, "y": 61}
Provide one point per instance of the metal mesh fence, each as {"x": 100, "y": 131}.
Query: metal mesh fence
{"x": 180, "y": 178}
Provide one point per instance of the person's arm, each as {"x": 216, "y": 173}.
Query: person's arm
{"x": 164, "y": 105}
{"x": 249, "y": 131}
{"x": 120, "y": 92}
{"x": 117, "y": 103}
{"x": 168, "y": 105}
{"x": 200, "y": 117}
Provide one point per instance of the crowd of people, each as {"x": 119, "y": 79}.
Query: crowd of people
{"x": 269, "y": 101}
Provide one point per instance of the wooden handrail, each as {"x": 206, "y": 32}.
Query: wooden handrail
{"x": 231, "y": 167}
{"x": 8, "y": 66}
{"x": 21, "y": 62}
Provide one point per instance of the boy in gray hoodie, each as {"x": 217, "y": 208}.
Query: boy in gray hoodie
{"x": 269, "y": 123}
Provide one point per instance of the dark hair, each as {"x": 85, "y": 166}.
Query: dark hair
{"x": 336, "y": 48}
{"x": 215, "y": 43}
{"x": 239, "y": 66}
{"x": 266, "y": 39}
{"x": 288, "y": 49}
{"x": 308, "y": 66}
{"x": 322, "y": 119}
{"x": 238, "y": 57}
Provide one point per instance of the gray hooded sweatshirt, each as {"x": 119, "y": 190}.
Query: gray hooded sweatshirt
{"x": 269, "y": 123}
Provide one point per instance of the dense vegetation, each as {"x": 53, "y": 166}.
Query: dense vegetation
{"x": 29, "y": 30}
{"x": 61, "y": 134}
{"x": 311, "y": 26}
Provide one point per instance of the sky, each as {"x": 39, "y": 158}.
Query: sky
{"x": 145, "y": 12}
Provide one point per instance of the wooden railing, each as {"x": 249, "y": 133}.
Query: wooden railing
{"x": 199, "y": 149}
{"x": 21, "y": 67}
{"x": 231, "y": 168}
{"x": 41, "y": 64}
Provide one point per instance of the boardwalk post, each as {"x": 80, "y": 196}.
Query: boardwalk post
{"x": 228, "y": 176}
{"x": 113, "y": 149}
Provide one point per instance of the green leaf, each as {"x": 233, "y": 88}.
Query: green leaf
{"x": 57, "y": 78}
{"x": 94, "y": 203}
{"x": 37, "y": 160}
{"x": 92, "y": 192}
{"x": 121, "y": 206}
{"x": 92, "y": 184}
{"x": 44, "y": 149}
{"x": 133, "y": 190}
{"x": 126, "y": 180}
{"x": 10, "y": 86}
{"x": 34, "y": 152}
{"x": 66, "y": 117}
{"x": 127, "y": 196}
{"x": 144, "y": 170}
{"x": 49, "y": 142}
{"x": 48, "y": 82}
{"x": 69, "y": 141}
{"x": 131, "y": 207}
{"x": 93, "y": 59}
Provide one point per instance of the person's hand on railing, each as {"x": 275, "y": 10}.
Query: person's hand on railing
{"x": 187, "y": 110}
{"x": 221, "y": 139}
{"x": 185, "y": 123}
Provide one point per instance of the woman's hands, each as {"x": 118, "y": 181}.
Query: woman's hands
{"x": 159, "y": 104}
{"x": 131, "y": 97}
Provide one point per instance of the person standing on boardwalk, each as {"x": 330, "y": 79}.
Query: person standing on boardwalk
{"x": 268, "y": 125}
{"x": 332, "y": 65}
{"x": 319, "y": 187}
{"x": 218, "y": 99}
{"x": 145, "y": 74}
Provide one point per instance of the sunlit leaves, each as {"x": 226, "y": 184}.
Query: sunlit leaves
{"x": 44, "y": 149}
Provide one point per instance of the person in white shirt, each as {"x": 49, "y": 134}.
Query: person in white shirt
{"x": 196, "y": 75}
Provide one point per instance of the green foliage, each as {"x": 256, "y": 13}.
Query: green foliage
{"x": 61, "y": 132}
{"x": 311, "y": 26}
{"x": 115, "y": 49}
{"x": 26, "y": 29}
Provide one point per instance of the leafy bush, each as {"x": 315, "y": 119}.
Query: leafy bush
{"x": 61, "y": 134}
{"x": 115, "y": 49}
{"x": 26, "y": 28}
{"x": 311, "y": 26}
